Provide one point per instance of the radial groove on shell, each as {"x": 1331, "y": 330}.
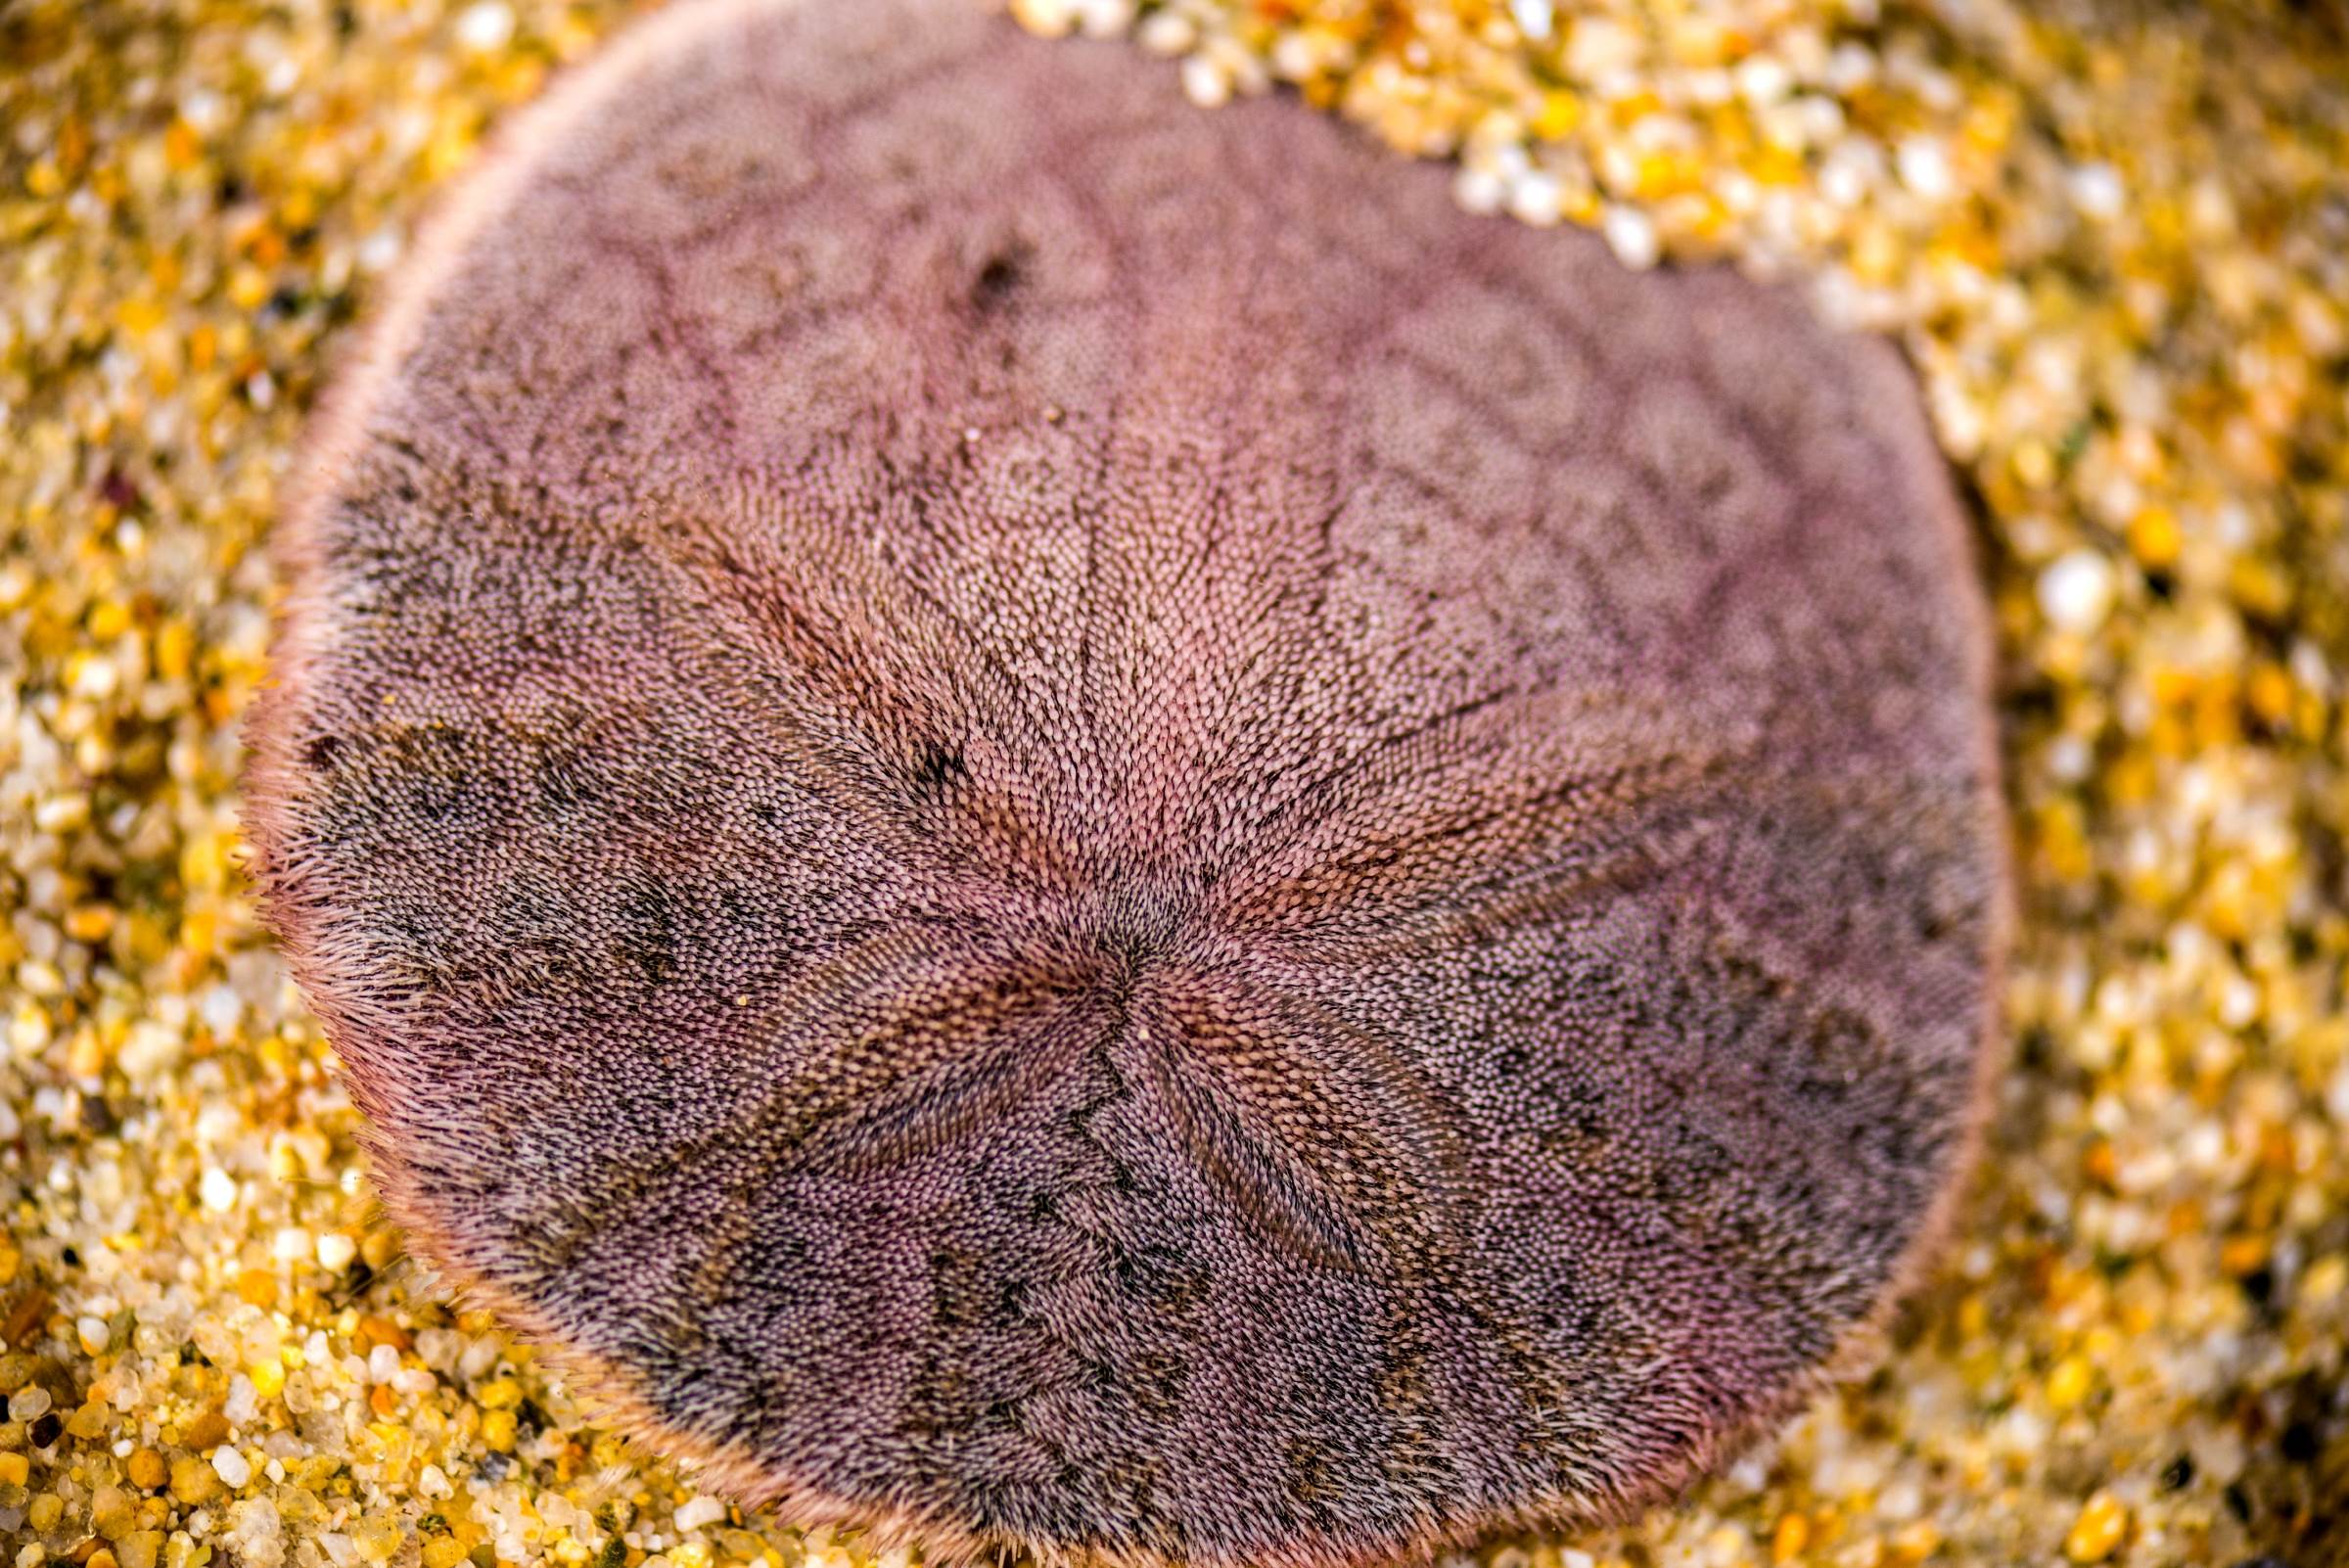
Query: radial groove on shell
{"x": 1071, "y": 825}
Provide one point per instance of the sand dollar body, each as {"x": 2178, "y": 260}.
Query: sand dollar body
{"x": 1068, "y": 823}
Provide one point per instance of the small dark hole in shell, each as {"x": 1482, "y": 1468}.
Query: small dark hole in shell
{"x": 1001, "y": 278}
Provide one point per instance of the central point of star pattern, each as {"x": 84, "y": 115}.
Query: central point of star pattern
{"x": 930, "y": 1030}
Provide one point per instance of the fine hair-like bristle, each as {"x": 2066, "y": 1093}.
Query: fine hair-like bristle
{"x": 1067, "y": 825}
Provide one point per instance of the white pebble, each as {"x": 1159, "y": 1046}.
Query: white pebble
{"x": 96, "y": 679}
{"x": 699, "y": 1512}
{"x": 1294, "y": 57}
{"x": 1167, "y": 33}
{"x": 230, "y": 1467}
{"x": 1049, "y": 19}
{"x": 150, "y": 1047}
{"x": 1480, "y": 191}
{"x": 2097, "y": 190}
{"x": 1924, "y": 166}
{"x": 1598, "y": 45}
{"x": 2070, "y": 758}
{"x": 1631, "y": 236}
{"x": 335, "y": 1251}
{"x": 1711, "y": 87}
{"x": 1850, "y": 171}
{"x": 218, "y": 1190}
{"x": 2220, "y": 1454}
{"x": 92, "y": 1332}
{"x": 219, "y": 1121}
{"x": 1105, "y": 19}
{"x": 1534, "y": 19}
{"x": 1535, "y": 197}
{"x": 1764, "y": 79}
{"x": 291, "y": 1245}
{"x": 204, "y": 111}
{"x": 1851, "y": 67}
{"x": 27, "y": 1403}
{"x": 379, "y": 250}
{"x": 2076, "y": 591}
{"x": 485, "y": 28}
{"x": 1203, "y": 83}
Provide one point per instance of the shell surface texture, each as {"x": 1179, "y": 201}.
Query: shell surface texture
{"x": 1067, "y": 825}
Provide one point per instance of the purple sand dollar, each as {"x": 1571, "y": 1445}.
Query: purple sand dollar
{"x": 1068, "y": 825}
